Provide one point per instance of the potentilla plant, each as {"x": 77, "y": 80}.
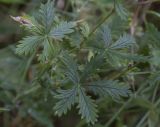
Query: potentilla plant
{"x": 72, "y": 57}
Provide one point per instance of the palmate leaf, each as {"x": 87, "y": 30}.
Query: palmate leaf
{"x": 110, "y": 88}
{"x": 66, "y": 99}
{"x": 62, "y": 29}
{"x": 87, "y": 107}
{"x": 71, "y": 70}
{"x": 47, "y": 15}
{"x": 124, "y": 41}
{"x": 28, "y": 45}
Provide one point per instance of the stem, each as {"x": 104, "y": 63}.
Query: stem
{"x": 155, "y": 92}
{"x": 101, "y": 22}
{"x": 123, "y": 72}
{"x": 6, "y": 119}
{"x": 96, "y": 27}
{"x": 27, "y": 66}
{"x": 33, "y": 89}
{"x": 146, "y": 115}
{"x": 142, "y": 120}
{"x": 123, "y": 106}
{"x": 117, "y": 113}
{"x": 133, "y": 26}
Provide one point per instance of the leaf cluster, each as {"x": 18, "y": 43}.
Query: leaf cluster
{"x": 79, "y": 74}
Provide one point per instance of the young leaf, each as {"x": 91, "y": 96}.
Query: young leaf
{"x": 106, "y": 36}
{"x": 85, "y": 30}
{"x": 28, "y": 45}
{"x": 108, "y": 87}
{"x": 123, "y": 42}
{"x": 48, "y": 50}
{"x": 47, "y": 15}
{"x": 87, "y": 108}
{"x": 61, "y": 30}
{"x": 66, "y": 99}
{"x": 121, "y": 11}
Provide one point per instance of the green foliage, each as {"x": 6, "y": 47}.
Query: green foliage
{"x": 51, "y": 35}
{"x": 111, "y": 88}
{"x": 71, "y": 68}
{"x": 123, "y": 42}
{"x": 48, "y": 50}
{"x": 114, "y": 51}
{"x": 106, "y": 36}
{"x": 84, "y": 64}
{"x": 44, "y": 27}
{"x": 41, "y": 117}
{"x": 47, "y": 15}
{"x": 92, "y": 66}
{"x": 121, "y": 11}
{"x": 85, "y": 29}
{"x": 86, "y": 106}
{"x": 28, "y": 45}
{"x": 62, "y": 29}
{"x": 129, "y": 56}
{"x": 66, "y": 99}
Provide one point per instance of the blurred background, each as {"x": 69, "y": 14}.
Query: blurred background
{"x": 20, "y": 106}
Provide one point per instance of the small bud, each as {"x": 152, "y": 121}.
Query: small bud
{"x": 22, "y": 20}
